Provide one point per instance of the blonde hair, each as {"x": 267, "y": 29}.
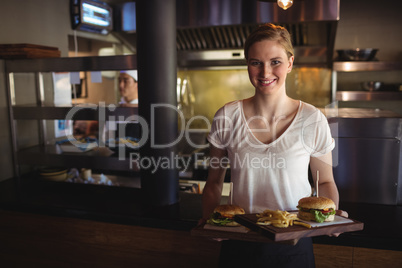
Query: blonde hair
{"x": 270, "y": 32}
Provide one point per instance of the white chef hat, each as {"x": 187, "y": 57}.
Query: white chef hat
{"x": 132, "y": 73}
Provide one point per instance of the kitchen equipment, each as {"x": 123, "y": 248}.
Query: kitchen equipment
{"x": 78, "y": 145}
{"x": 367, "y": 156}
{"x": 357, "y": 54}
{"x": 371, "y": 85}
{"x": 53, "y": 174}
{"x": 189, "y": 187}
{"x": 217, "y": 39}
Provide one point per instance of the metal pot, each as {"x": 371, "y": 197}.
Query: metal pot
{"x": 357, "y": 54}
{"x": 371, "y": 85}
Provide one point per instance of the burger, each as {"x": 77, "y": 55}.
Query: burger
{"x": 223, "y": 215}
{"x": 317, "y": 209}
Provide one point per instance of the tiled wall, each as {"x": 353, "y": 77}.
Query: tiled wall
{"x": 208, "y": 90}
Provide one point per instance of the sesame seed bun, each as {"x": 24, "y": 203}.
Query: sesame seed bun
{"x": 316, "y": 203}
{"x": 229, "y": 210}
{"x": 307, "y": 206}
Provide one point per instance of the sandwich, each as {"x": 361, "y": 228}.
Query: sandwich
{"x": 223, "y": 215}
{"x": 318, "y": 209}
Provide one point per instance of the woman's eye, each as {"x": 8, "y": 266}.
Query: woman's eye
{"x": 275, "y": 62}
{"x": 255, "y": 63}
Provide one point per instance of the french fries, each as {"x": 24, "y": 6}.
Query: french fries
{"x": 279, "y": 218}
{"x": 302, "y": 224}
{"x": 124, "y": 141}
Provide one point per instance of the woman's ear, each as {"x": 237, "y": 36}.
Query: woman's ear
{"x": 291, "y": 59}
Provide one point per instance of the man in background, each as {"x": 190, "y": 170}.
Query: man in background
{"x": 128, "y": 87}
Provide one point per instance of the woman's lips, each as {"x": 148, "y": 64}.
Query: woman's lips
{"x": 267, "y": 82}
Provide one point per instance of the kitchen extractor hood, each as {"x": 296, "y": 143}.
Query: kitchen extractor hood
{"x": 213, "y": 32}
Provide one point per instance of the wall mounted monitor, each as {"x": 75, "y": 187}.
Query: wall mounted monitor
{"x": 91, "y": 16}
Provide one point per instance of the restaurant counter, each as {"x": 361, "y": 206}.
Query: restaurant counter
{"x": 382, "y": 223}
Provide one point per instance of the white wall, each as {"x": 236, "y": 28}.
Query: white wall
{"x": 40, "y": 22}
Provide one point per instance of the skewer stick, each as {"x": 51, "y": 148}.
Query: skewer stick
{"x": 231, "y": 193}
{"x": 316, "y": 182}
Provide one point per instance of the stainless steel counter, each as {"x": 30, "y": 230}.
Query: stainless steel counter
{"x": 367, "y": 156}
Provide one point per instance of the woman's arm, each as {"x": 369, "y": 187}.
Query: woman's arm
{"x": 326, "y": 183}
{"x": 211, "y": 195}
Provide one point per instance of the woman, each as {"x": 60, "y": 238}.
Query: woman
{"x": 271, "y": 140}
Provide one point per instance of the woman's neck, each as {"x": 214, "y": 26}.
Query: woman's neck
{"x": 271, "y": 106}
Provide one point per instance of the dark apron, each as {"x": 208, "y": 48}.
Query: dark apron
{"x": 254, "y": 254}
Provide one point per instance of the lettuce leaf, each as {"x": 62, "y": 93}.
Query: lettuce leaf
{"x": 320, "y": 217}
{"x": 217, "y": 219}
{"x": 219, "y": 222}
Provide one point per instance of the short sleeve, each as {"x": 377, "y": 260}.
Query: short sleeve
{"x": 316, "y": 133}
{"x": 215, "y": 136}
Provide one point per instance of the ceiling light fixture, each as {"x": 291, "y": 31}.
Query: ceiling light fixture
{"x": 285, "y": 4}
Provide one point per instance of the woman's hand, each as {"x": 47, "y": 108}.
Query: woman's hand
{"x": 201, "y": 222}
{"x": 341, "y": 213}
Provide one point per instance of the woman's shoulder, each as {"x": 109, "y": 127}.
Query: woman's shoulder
{"x": 309, "y": 114}
{"x": 229, "y": 108}
{"x": 309, "y": 109}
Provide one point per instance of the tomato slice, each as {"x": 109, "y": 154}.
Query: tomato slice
{"x": 325, "y": 211}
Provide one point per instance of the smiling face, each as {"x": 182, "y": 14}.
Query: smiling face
{"x": 268, "y": 65}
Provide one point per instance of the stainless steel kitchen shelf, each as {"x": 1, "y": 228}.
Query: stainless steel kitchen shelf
{"x": 49, "y": 155}
{"x": 80, "y": 112}
{"x": 362, "y": 66}
{"x": 74, "y": 64}
{"x": 361, "y": 113}
{"x": 98, "y": 158}
{"x": 368, "y": 96}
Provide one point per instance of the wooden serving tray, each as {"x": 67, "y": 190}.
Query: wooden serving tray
{"x": 340, "y": 225}
{"x": 225, "y": 233}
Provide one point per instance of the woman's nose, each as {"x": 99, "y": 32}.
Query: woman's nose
{"x": 266, "y": 70}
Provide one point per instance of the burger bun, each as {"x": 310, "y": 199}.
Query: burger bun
{"x": 229, "y": 210}
{"x": 307, "y": 216}
{"x": 313, "y": 202}
{"x": 223, "y": 215}
{"x": 232, "y": 224}
{"x": 318, "y": 203}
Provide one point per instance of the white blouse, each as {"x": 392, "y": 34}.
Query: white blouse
{"x": 273, "y": 175}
